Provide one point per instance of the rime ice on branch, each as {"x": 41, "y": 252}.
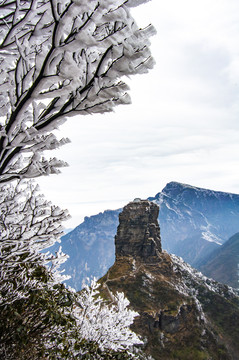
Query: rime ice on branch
{"x": 106, "y": 324}
{"x": 28, "y": 224}
{"x": 60, "y": 59}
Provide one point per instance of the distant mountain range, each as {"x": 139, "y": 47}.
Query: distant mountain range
{"x": 90, "y": 247}
{"x": 194, "y": 223}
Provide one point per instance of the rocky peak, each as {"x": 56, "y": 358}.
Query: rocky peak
{"x": 182, "y": 314}
{"x": 138, "y": 233}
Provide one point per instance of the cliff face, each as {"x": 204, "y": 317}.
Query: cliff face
{"x": 182, "y": 314}
{"x": 138, "y": 233}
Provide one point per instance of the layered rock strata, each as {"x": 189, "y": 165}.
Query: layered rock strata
{"x": 138, "y": 233}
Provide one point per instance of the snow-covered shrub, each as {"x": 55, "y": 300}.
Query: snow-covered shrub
{"x": 28, "y": 224}
{"x": 107, "y": 325}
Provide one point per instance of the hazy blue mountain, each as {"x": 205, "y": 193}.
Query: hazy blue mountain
{"x": 193, "y": 221}
{"x": 223, "y": 263}
{"x": 90, "y": 247}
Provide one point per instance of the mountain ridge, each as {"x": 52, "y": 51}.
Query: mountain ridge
{"x": 193, "y": 222}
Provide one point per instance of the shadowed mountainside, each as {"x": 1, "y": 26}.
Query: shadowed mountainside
{"x": 223, "y": 263}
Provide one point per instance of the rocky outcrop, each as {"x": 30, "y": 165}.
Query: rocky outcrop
{"x": 182, "y": 314}
{"x": 138, "y": 233}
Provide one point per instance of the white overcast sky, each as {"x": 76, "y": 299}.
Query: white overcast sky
{"x": 183, "y": 124}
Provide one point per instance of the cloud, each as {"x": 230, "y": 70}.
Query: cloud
{"x": 182, "y": 124}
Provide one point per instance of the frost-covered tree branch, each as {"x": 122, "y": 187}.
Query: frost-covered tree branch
{"x": 60, "y": 59}
{"x": 108, "y": 325}
{"x": 28, "y": 224}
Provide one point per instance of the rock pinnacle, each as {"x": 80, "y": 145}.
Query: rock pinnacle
{"x": 138, "y": 233}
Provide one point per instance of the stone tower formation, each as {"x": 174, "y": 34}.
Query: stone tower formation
{"x": 138, "y": 233}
